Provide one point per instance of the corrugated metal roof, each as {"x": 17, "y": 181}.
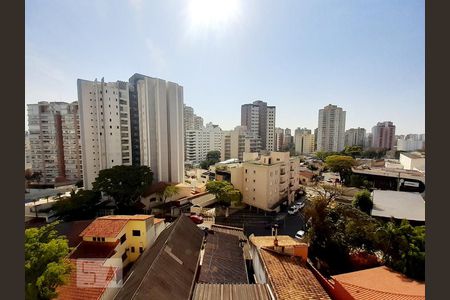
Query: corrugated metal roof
{"x": 167, "y": 269}
{"x": 231, "y": 292}
{"x": 223, "y": 260}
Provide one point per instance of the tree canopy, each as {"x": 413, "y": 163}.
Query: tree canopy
{"x": 79, "y": 206}
{"x": 224, "y": 191}
{"x": 353, "y": 151}
{"x": 169, "y": 191}
{"x": 340, "y": 163}
{"x": 124, "y": 183}
{"x": 45, "y": 265}
{"x": 212, "y": 157}
{"x": 363, "y": 201}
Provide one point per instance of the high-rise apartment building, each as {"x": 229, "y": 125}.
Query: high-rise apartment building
{"x": 266, "y": 181}
{"x": 236, "y": 142}
{"x": 198, "y": 122}
{"x": 355, "y": 137}
{"x": 105, "y": 126}
{"x": 288, "y": 138}
{"x": 331, "y": 129}
{"x": 200, "y": 142}
{"x": 188, "y": 117}
{"x": 259, "y": 119}
{"x": 279, "y": 138}
{"x": 54, "y": 141}
{"x": 303, "y": 141}
{"x": 161, "y": 128}
{"x": 27, "y": 152}
{"x": 383, "y": 135}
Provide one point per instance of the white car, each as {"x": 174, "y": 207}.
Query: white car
{"x": 300, "y": 234}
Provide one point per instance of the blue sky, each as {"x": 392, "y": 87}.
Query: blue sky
{"x": 367, "y": 56}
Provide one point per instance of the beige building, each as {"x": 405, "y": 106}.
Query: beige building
{"x": 260, "y": 121}
{"x": 266, "y": 181}
{"x": 331, "y": 129}
{"x": 105, "y": 126}
{"x": 54, "y": 141}
{"x": 304, "y": 141}
{"x": 236, "y": 142}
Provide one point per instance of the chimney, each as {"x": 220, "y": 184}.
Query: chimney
{"x": 275, "y": 241}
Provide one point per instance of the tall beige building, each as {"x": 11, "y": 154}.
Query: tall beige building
{"x": 266, "y": 181}
{"x": 54, "y": 141}
{"x": 259, "y": 119}
{"x": 331, "y": 129}
{"x": 355, "y": 137}
{"x": 161, "y": 127}
{"x": 236, "y": 142}
{"x": 200, "y": 142}
{"x": 27, "y": 152}
{"x": 383, "y": 135}
{"x": 279, "y": 138}
{"x": 105, "y": 126}
{"x": 304, "y": 141}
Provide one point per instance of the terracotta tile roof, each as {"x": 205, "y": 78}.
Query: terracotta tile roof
{"x": 267, "y": 241}
{"x": 381, "y": 283}
{"x": 231, "y": 291}
{"x": 223, "y": 260}
{"x": 109, "y": 228}
{"x": 94, "y": 250}
{"x": 290, "y": 278}
{"x": 74, "y": 289}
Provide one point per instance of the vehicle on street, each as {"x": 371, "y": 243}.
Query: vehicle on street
{"x": 196, "y": 219}
{"x": 300, "y": 234}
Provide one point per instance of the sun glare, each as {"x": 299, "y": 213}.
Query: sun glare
{"x": 213, "y": 14}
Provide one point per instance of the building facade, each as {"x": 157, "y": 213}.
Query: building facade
{"x": 236, "y": 142}
{"x": 200, "y": 142}
{"x": 27, "y": 152}
{"x": 161, "y": 127}
{"x": 279, "y": 138}
{"x": 383, "y": 135}
{"x": 259, "y": 119}
{"x": 54, "y": 141}
{"x": 355, "y": 137}
{"x": 304, "y": 141}
{"x": 104, "y": 126}
{"x": 331, "y": 129}
{"x": 266, "y": 181}
{"x": 409, "y": 145}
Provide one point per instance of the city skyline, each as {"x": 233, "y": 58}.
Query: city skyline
{"x": 367, "y": 59}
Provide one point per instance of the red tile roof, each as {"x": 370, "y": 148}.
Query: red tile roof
{"x": 381, "y": 283}
{"x": 290, "y": 278}
{"x": 76, "y": 286}
{"x": 126, "y": 217}
{"x": 108, "y": 228}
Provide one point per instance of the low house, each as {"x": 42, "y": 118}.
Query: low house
{"x": 398, "y": 205}
{"x": 413, "y": 161}
{"x": 109, "y": 244}
{"x": 281, "y": 263}
{"x": 168, "y": 269}
{"x": 306, "y": 177}
{"x": 380, "y": 283}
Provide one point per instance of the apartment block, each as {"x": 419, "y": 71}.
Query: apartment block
{"x": 27, "y": 152}
{"x": 383, "y": 135}
{"x": 266, "y": 181}
{"x": 279, "y": 138}
{"x": 105, "y": 126}
{"x": 410, "y": 145}
{"x": 54, "y": 141}
{"x": 355, "y": 137}
{"x": 259, "y": 119}
{"x": 304, "y": 141}
{"x": 288, "y": 138}
{"x": 161, "y": 128}
{"x": 200, "y": 142}
{"x": 236, "y": 142}
{"x": 331, "y": 129}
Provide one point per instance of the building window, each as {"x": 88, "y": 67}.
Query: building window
{"x": 254, "y": 180}
{"x": 254, "y": 171}
{"x": 124, "y": 256}
{"x": 246, "y": 171}
{"x": 141, "y": 249}
{"x": 94, "y": 239}
{"x": 132, "y": 249}
{"x": 123, "y": 238}
{"x": 136, "y": 233}
{"x": 103, "y": 239}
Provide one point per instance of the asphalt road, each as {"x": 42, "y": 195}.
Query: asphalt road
{"x": 290, "y": 226}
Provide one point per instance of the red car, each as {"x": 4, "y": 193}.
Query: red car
{"x": 196, "y": 219}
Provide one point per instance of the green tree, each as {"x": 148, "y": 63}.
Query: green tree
{"x": 353, "y": 151}
{"x": 79, "y": 206}
{"x": 340, "y": 163}
{"x": 212, "y": 157}
{"x": 124, "y": 183}
{"x": 45, "y": 265}
{"x": 363, "y": 201}
{"x": 224, "y": 191}
{"x": 169, "y": 191}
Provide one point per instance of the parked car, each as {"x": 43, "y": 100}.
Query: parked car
{"x": 300, "y": 234}
{"x": 196, "y": 219}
